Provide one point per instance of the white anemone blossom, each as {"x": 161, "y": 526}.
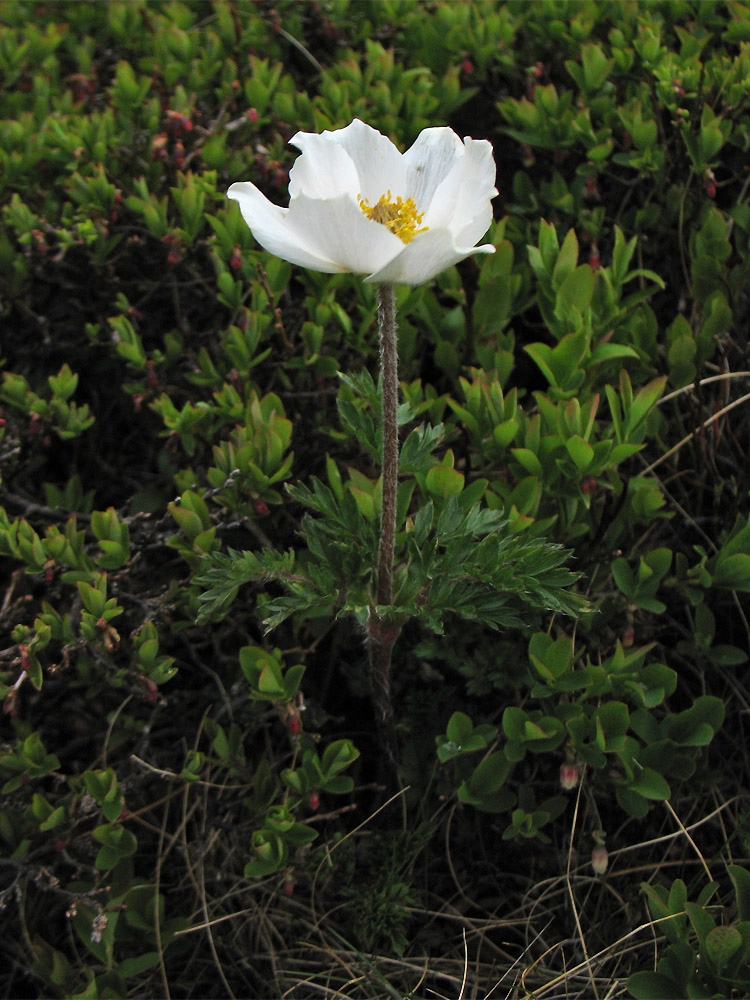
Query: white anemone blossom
{"x": 357, "y": 204}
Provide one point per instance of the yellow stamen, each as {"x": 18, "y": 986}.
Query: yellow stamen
{"x": 401, "y": 217}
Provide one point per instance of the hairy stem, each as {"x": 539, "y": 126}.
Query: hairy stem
{"x": 389, "y": 375}
{"x": 382, "y": 634}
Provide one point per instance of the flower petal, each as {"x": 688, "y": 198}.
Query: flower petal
{"x": 325, "y": 169}
{"x": 429, "y": 161}
{"x": 427, "y": 255}
{"x": 330, "y": 235}
{"x": 473, "y": 213}
{"x": 378, "y": 162}
{"x": 269, "y": 225}
{"x": 462, "y": 201}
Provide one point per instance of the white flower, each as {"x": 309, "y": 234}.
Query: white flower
{"x": 357, "y": 204}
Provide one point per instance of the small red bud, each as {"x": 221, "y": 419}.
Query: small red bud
{"x": 40, "y": 243}
{"x": 294, "y": 724}
{"x": 599, "y": 859}
{"x": 314, "y": 800}
{"x": 288, "y": 888}
{"x": 261, "y": 508}
{"x": 60, "y": 844}
{"x": 252, "y": 115}
{"x": 568, "y": 776}
{"x": 588, "y": 485}
{"x": 173, "y": 257}
{"x": 124, "y": 814}
{"x": 467, "y": 66}
{"x": 590, "y": 187}
{"x": 158, "y": 147}
{"x": 628, "y": 637}
{"x": 538, "y": 70}
{"x": 594, "y": 259}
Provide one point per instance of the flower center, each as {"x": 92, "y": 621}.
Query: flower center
{"x": 401, "y": 217}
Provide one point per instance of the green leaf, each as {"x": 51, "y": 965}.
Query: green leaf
{"x": 444, "y": 482}
{"x": 654, "y": 986}
{"x": 529, "y": 461}
{"x": 651, "y": 785}
{"x": 721, "y": 943}
{"x": 566, "y": 259}
{"x": 741, "y": 879}
{"x": 623, "y": 576}
{"x": 732, "y": 572}
{"x": 575, "y": 292}
{"x": 580, "y": 451}
{"x": 612, "y": 722}
{"x": 612, "y": 352}
{"x": 632, "y": 802}
{"x": 596, "y": 67}
{"x": 644, "y": 402}
{"x": 701, "y": 921}
{"x": 459, "y": 729}
{"x": 135, "y": 966}
{"x": 489, "y": 774}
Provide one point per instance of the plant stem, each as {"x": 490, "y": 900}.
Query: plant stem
{"x": 389, "y": 376}
{"x": 383, "y": 634}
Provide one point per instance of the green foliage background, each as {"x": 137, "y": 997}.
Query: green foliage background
{"x": 188, "y": 452}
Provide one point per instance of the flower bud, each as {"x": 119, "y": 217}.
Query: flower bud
{"x": 588, "y": 485}
{"x": 599, "y": 859}
{"x": 569, "y": 776}
{"x": 294, "y": 724}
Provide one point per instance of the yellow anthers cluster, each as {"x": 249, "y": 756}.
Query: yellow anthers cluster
{"x": 401, "y": 217}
